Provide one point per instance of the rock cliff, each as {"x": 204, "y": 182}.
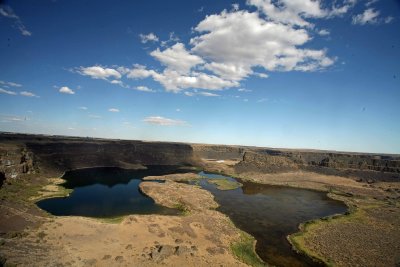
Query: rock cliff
{"x": 21, "y": 154}
{"x": 55, "y": 155}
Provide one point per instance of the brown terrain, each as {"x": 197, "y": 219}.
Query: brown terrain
{"x": 31, "y": 167}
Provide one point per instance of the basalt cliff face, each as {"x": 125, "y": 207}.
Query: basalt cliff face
{"x": 363, "y": 166}
{"x": 20, "y": 154}
{"x": 54, "y": 155}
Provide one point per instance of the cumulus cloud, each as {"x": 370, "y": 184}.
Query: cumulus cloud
{"x": 113, "y": 110}
{"x": 8, "y": 92}
{"x": 28, "y": 94}
{"x": 66, "y": 90}
{"x": 158, "y": 120}
{"x": 99, "y": 72}
{"x": 139, "y": 72}
{"x": 151, "y": 37}
{"x": 290, "y": 11}
{"x": 174, "y": 80}
{"x": 370, "y": 15}
{"x": 6, "y": 11}
{"x": 254, "y": 42}
{"x": 177, "y": 58}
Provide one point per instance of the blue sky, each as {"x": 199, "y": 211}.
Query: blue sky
{"x": 294, "y": 74}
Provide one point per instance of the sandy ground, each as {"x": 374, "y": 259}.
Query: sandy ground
{"x": 201, "y": 237}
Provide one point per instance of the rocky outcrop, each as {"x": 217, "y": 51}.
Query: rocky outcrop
{"x": 15, "y": 160}
{"x": 258, "y": 162}
{"x": 220, "y": 152}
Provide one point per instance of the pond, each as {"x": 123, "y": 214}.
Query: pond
{"x": 269, "y": 213}
{"x": 107, "y": 192}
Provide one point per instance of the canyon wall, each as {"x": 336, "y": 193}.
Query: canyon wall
{"x": 54, "y": 155}
{"x": 24, "y": 154}
{"x": 362, "y": 166}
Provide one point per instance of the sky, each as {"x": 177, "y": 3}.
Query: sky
{"x": 285, "y": 73}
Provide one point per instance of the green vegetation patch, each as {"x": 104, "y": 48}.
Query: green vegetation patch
{"x": 19, "y": 191}
{"x": 244, "y": 251}
{"x": 182, "y": 208}
{"x": 224, "y": 184}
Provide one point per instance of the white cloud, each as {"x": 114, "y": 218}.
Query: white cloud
{"x": 7, "y": 84}
{"x": 261, "y": 75}
{"x": 177, "y": 58}
{"x": 255, "y": 42}
{"x": 116, "y": 82}
{"x": 244, "y": 90}
{"x": 99, "y": 72}
{"x": 3, "y": 91}
{"x": 139, "y": 72}
{"x": 323, "y": 32}
{"x": 368, "y": 16}
{"x": 151, "y": 37}
{"x": 66, "y": 90}
{"x": 235, "y": 72}
{"x": 178, "y": 110}
{"x": 143, "y": 89}
{"x": 158, "y": 120}
{"x": 174, "y": 81}
{"x": 28, "y": 94}
{"x": 83, "y": 108}
{"x": 113, "y": 110}
{"x": 290, "y": 11}
{"x": 7, "y": 12}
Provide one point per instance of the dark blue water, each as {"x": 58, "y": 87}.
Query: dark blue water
{"x": 107, "y": 192}
{"x": 270, "y": 213}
